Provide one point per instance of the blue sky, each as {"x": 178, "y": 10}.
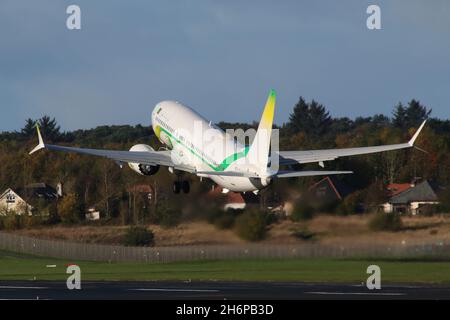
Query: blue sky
{"x": 220, "y": 57}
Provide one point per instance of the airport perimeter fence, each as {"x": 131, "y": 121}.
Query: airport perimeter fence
{"x": 112, "y": 253}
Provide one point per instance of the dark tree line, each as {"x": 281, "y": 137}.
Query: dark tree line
{"x": 313, "y": 119}
{"x": 48, "y": 126}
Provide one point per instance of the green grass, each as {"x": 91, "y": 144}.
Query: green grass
{"x": 24, "y": 267}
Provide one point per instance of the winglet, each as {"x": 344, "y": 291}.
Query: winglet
{"x": 413, "y": 139}
{"x": 41, "y": 144}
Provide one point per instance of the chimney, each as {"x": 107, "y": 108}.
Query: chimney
{"x": 415, "y": 181}
{"x": 59, "y": 190}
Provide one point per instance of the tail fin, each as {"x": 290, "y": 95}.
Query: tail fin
{"x": 259, "y": 150}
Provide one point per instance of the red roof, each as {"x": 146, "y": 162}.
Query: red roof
{"x": 231, "y": 197}
{"x": 330, "y": 183}
{"x": 397, "y": 188}
{"x": 140, "y": 188}
{"x": 234, "y": 197}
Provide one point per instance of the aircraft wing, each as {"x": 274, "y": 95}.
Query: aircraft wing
{"x": 309, "y": 156}
{"x": 154, "y": 158}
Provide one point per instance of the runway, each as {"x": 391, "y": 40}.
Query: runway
{"x": 216, "y": 290}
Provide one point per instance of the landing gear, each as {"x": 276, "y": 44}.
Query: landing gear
{"x": 176, "y": 187}
{"x": 185, "y": 186}
{"x": 181, "y": 186}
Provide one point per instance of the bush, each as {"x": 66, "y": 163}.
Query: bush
{"x": 443, "y": 208}
{"x": 303, "y": 233}
{"x": 167, "y": 216}
{"x": 444, "y": 205}
{"x": 385, "y": 222}
{"x": 32, "y": 221}
{"x": 12, "y": 221}
{"x": 138, "y": 236}
{"x": 53, "y": 216}
{"x": 302, "y": 211}
{"x": 69, "y": 209}
{"x": 224, "y": 221}
{"x": 350, "y": 205}
{"x": 373, "y": 195}
{"x": 342, "y": 210}
{"x": 251, "y": 225}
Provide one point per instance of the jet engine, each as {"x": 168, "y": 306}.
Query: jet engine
{"x": 143, "y": 169}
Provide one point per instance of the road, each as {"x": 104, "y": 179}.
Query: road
{"x": 217, "y": 290}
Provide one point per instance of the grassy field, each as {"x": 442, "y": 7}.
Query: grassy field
{"x": 326, "y": 229}
{"x": 23, "y": 267}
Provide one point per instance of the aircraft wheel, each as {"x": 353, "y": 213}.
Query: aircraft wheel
{"x": 185, "y": 186}
{"x": 176, "y": 187}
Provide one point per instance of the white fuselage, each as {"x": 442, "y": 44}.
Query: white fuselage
{"x": 196, "y": 142}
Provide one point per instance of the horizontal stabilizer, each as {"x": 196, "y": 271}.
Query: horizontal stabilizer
{"x": 227, "y": 174}
{"x": 279, "y": 174}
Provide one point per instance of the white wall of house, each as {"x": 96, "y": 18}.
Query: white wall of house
{"x": 12, "y": 202}
{"x": 92, "y": 215}
{"x": 234, "y": 206}
{"x": 414, "y": 206}
{"x": 387, "y": 207}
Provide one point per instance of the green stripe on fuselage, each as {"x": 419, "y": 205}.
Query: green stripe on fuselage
{"x": 221, "y": 167}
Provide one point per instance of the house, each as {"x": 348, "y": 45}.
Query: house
{"x": 411, "y": 198}
{"x": 24, "y": 200}
{"x": 394, "y": 189}
{"x": 92, "y": 215}
{"x": 232, "y": 200}
{"x": 39, "y": 190}
{"x": 235, "y": 201}
{"x": 327, "y": 191}
{"x": 143, "y": 190}
{"x": 11, "y": 201}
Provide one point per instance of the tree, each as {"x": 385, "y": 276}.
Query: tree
{"x": 29, "y": 129}
{"x": 416, "y": 113}
{"x": 311, "y": 118}
{"x": 380, "y": 120}
{"x": 386, "y": 222}
{"x": 411, "y": 116}
{"x": 49, "y": 128}
{"x": 374, "y": 195}
{"x": 341, "y": 125}
{"x": 69, "y": 209}
{"x": 111, "y": 185}
{"x": 251, "y": 225}
{"x": 302, "y": 211}
{"x": 399, "y": 116}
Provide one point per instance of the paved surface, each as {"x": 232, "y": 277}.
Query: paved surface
{"x": 214, "y": 290}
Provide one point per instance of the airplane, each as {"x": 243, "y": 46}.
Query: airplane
{"x": 232, "y": 165}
